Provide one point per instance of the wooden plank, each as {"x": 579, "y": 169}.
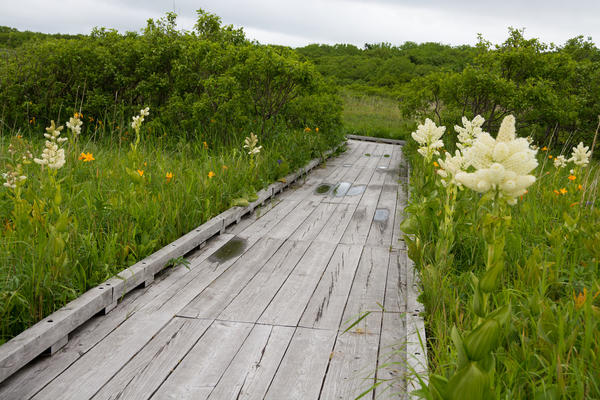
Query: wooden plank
{"x": 337, "y": 224}
{"x": 258, "y": 293}
{"x": 145, "y": 372}
{"x": 352, "y": 367}
{"x": 219, "y": 293}
{"x": 382, "y": 227}
{"x": 287, "y": 306}
{"x": 252, "y": 217}
{"x": 416, "y": 349}
{"x": 315, "y": 222}
{"x": 367, "y": 293}
{"x": 303, "y": 367}
{"x": 326, "y": 306}
{"x": 26, "y": 346}
{"x": 289, "y": 223}
{"x": 97, "y": 366}
{"x": 395, "y": 289}
{"x": 264, "y": 224}
{"x": 376, "y": 139}
{"x": 391, "y": 365}
{"x": 251, "y": 371}
{"x": 33, "y": 377}
{"x": 204, "y": 365}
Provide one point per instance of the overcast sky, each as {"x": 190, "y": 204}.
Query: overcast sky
{"x": 301, "y": 22}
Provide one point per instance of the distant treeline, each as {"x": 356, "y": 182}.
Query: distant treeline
{"x": 211, "y": 79}
{"x": 383, "y": 65}
{"x": 554, "y": 91}
{"x": 12, "y": 38}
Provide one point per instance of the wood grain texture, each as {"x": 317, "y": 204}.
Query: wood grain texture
{"x": 326, "y": 306}
{"x": 303, "y": 367}
{"x": 250, "y": 373}
{"x": 147, "y": 370}
{"x": 352, "y": 367}
{"x": 204, "y": 365}
{"x": 254, "y": 298}
{"x": 287, "y": 306}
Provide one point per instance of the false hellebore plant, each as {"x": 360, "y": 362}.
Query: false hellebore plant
{"x": 500, "y": 170}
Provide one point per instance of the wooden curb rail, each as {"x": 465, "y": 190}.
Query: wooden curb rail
{"x": 52, "y": 332}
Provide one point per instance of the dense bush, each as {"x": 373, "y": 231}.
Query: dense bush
{"x": 553, "y": 91}
{"x": 212, "y": 77}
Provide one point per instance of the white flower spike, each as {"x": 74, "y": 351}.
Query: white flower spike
{"x": 502, "y": 164}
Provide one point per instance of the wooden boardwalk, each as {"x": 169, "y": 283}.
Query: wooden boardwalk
{"x": 261, "y": 311}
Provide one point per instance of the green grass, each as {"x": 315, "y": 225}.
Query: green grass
{"x": 551, "y": 279}
{"x": 63, "y": 233}
{"x": 371, "y": 115}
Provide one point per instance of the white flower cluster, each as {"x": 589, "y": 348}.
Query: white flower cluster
{"x": 581, "y": 155}
{"x": 502, "y": 164}
{"x": 428, "y": 136}
{"x": 451, "y": 166}
{"x": 74, "y": 125}
{"x": 250, "y": 144}
{"x": 469, "y": 131}
{"x": 52, "y": 156}
{"x": 560, "y": 161}
{"x": 138, "y": 119}
{"x": 12, "y": 178}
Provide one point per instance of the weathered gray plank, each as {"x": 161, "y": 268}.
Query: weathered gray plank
{"x": 29, "y": 344}
{"x": 382, "y": 226}
{"x": 315, "y": 222}
{"x": 368, "y": 288}
{"x": 219, "y": 293}
{"x": 395, "y": 289}
{"x": 337, "y": 224}
{"x": 204, "y": 365}
{"x": 289, "y": 223}
{"x": 252, "y": 217}
{"x": 326, "y": 306}
{"x": 264, "y": 224}
{"x": 145, "y": 372}
{"x": 287, "y": 306}
{"x": 301, "y": 372}
{"x": 416, "y": 349}
{"x": 251, "y": 371}
{"x": 391, "y": 365}
{"x": 32, "y": 378}
{"x": 377, "y": 139}
{"x": 352, "y": 367}
{"x": 108, "y": 356}
{"x": 258, "y": 293}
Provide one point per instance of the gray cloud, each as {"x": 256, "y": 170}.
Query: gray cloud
{"x": 297, "y": 23}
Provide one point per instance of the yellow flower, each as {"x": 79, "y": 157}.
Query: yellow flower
{"x": 91, "y": 119}
{"x": 32, "y": 120}
{"x": 580, "y": 187}
{"x": 563, "y": 191}
{"x": 580, "y": 298}
{"x": 317, "y": 129}
{"x": 86, "y": 157}
{"x": 544, "y": 148}
{"x": 141, "y": 172}
{"x": 572, "y": 177}
{"x": 211, "y": 174}
{"x": 169, "y": 176}
{"x": 550, "y": 156}
{"x": 212, "y": 121}
{"x": 556, "y": 191}
{"x": 435, "y": 164}
{"x": 307, "y": 129}
{"x": 573, "y": 204}
{"x": 224, "y": 167}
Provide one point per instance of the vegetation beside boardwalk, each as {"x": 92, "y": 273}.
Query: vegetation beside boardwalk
{"x": 106, "y": 184}
{"x": 509, "y": 265}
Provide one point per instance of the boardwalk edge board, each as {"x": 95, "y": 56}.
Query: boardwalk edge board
{"x": 52, "y": 332}
{"x": 376, "y": 139}
{"x": 416, "y": 342}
